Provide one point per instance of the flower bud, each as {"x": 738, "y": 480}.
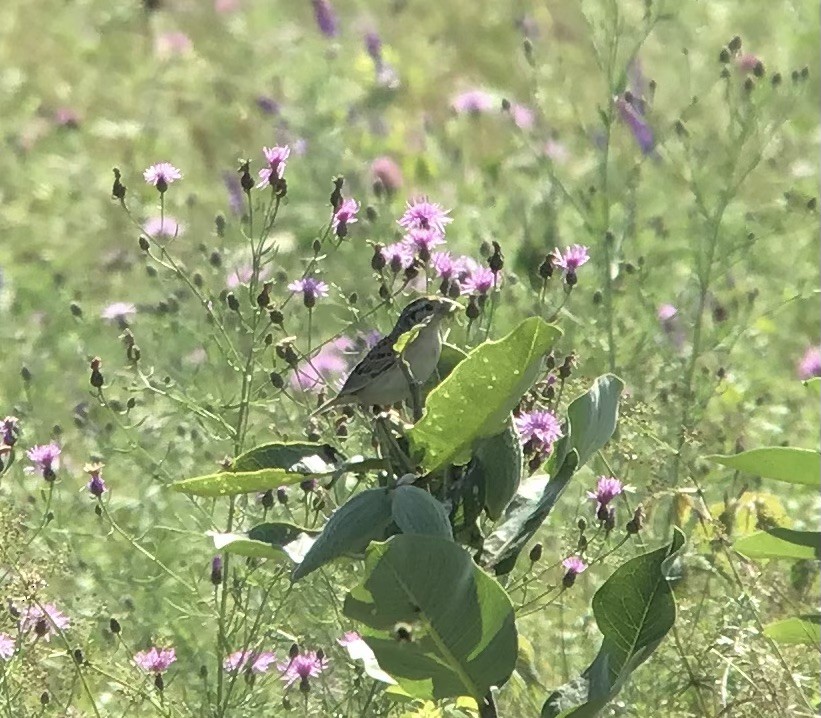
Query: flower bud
{"x": 473, "y": 311}
{"x": 114, "y": 626}
{"x": 378, "y": 259}
{"x": 245, "y": 179}
{"x": 546, "y": 267}
{"x": 232, "y": 302}
{"x": 45, "y": 698}
{"x": 96, "y": 377}
{"x": 277, "y": 380}
{"x": 293, "y": 651}
{"x": 216, "y": 570}
{"x": 118, "y": 189}
{"x": 635, "y": 524}
{"x": 535, "y": 552}
{"x": 143, "y": 242}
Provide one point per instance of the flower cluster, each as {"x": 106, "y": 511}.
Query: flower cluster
{"x": 249, "y": 661}
{"x": 155, "y": 660}
{"x": 302, "y": 667}
{"x": 538, "y": 430}
{"x": 45, "y": 458}
{"x": 569, "y": 261}
{"x": 311, "y": 289}
{"x": 43, "y": 621}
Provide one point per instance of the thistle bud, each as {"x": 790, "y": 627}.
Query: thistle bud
{"x": 96, "y": 377}
{"x": 535, "y": 553}
{"x": 282, "y": 495}
{"x": 496, "y": 260}
{"x": 546, "y": 267}
{"x": 473, "y": 311}
{"x": 735, "y": 44}
{"x": 118, "y": 189}
{"x": 114, "y": 626}
{"x": 143, "y": 242}
{"x": 293, "y": 651}
{"x": 245, "y": 179}
{"x": 635, "y": 524}
{"x": 378, "y": 259}
{"x": 216, "y": 570}
{"x": 277, "y": 380}
{"x": 336, "y": 194}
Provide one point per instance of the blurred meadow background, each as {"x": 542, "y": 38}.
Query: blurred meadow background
{"x": 678, "y": 142}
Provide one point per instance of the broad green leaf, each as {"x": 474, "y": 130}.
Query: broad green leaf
{"x": 475, "y": 400}
{"x": 802, "y": 630}
{"x": 634, "y": 610}
{"x": 270, "y": 540}
{"x": 784, "y": 463}
{"x": 523, "y": 518}
{"x": 415, "y": 511}
{"x": 593, "y": 416}
{"x": 496, "y": 469}
{"x": 295, "y": 457}
{"x": 461, "y": 621}
{"x": 227, "y": 483}
{"x": 781, "y": 543}
{"x": 350, "y": 529}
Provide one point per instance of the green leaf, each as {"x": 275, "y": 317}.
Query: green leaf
{"x": 350, "y": 529}
{"x": 227, "y": 483}
{"x": 461, "y": 621}
{"x": 800, "y": 630}
{"x": 784, "y": 463}
{"x": 634, "y": 609}
{"x": 415, "y": 511}
{"x": 306, "y": 458}
{"x": 523, "y": 518}
{"x": 814, "y": 384}
{"x": 475, "y": 400}
{"x": 781, "y": 543}
{"x": 593, "y": 416}
{"x": 496, "y": 468}
{"x": 271, "y": 540}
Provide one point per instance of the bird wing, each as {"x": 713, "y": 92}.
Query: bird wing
{"x": 378, "y": 360}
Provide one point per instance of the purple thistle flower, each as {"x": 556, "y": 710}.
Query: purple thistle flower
{"x": 66, "y": 117}
{"x": 388, "y": 172}
{"x": 344, "y": 216}
{"x": 445, "y": 266}
{"x": 10, "y": 428}
{"x": 44, "y": 621}
{"x": 155, "y": 660}
{"x": 302, "y": 667}
{"x": 166, "y": 226}
{"x": 328, "y": 363}
{"x": 118, "y": 311}
{"x": 311, "y": 289}
{"x": 397, "y": 256}
{"x": 479, "y": 280}
{"x": 268, "y": 105}
{"x": 46, "y": 459}
{"x": 573, "y": 258}
{"x": 277, "y": 159}
{"x": 325, "y": 18}
{"x": 373, "y": 46}
{"x": 242, "y": 275}
{"x": 666, "y": 312}
{"x": 421, "y": 214}
{"x": 810, "y": 364}
{"x": 540, "y": 429}
{"x": 7, "y": 646}
{"x": 161, "y": 175}
{"x": 473, "y": 102}
{"x": 247, "y": 660}
{"x": 523, "y": 117}
{"x": 96, "y": 486}
{"x": 642, "y": 132}
{"x": 236, "y": 199}
{"x": 573, "y": 566}
{"x": 216, "y": 570}
{"x": 421, "y": 241}
{"x": 607, "y": 489}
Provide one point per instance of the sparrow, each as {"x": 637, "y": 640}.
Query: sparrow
{"x": 379, "y": 378}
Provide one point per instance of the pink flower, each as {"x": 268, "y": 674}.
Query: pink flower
{"x": 277, "y": 159}
{"x": 226, "y": 6}
{"x": 302, "y": 667}
{"x": 666, "y": 312}
{"x": 118, "y": 311}
{"x": 46, "y": 459}
{"x": 421, "y": 241}
{"x": 155, "y": 660}
{"x": 540, "y": 429}
{"x": 7, "y": 646}
{"x": 166, "y": 226}
{"x": 327, "y": 365}
{"x": 421, "y": 214}
{"x": 810, "y": 364}
{"x": 573, "y": 257}
{"x": 9, "y": 427}
{"x": 397, "y": 256}
{"x": 607, "y": 489}
{"x": 473, "y": 102}
{"x": 242, "y": 275}
{"x": 747, "y": 62}
{"x": 446, "y": 266}
{"x": 574, "y": 564}
{"x": 96, "y": 486}
{"x": 161, "y": 175}
{"x": 345, "y": 215}
{"x": 172, "y": 43}
{"x": 634, "y": 119}
{"x": 479, "y": 280}
{"x": 66, "y": 117}
{"x": 44, "y": 621}
{"x": 348, "y": 638}
{"x": 386, "y": 171}
{"x": 311, "y": 289}
{"x": 556, "y": 151}
{"x": 246, "y": 660}
{"x": 522, "y": 116}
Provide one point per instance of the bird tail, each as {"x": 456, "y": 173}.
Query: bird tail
{"x": 338, "y": 400}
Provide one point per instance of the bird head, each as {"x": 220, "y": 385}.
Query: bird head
{"x": 424, "y": 311}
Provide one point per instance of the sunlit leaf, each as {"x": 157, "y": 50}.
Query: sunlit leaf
{"x": 799, "y": 630}
{"x": 460, "y": 620}
{"x": 784, "y": 463}
{"x": 594, "y": 415}
{"x": 270, "y": 540}
{"x": 634, "y": 609}
{"x": 474, "y": 401}
{"x": 298, "y": 457}
{"x": 496, "y": 469}
{"x": 781, "y": 543}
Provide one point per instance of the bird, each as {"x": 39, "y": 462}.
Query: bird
{"x": 379, "y": 378}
